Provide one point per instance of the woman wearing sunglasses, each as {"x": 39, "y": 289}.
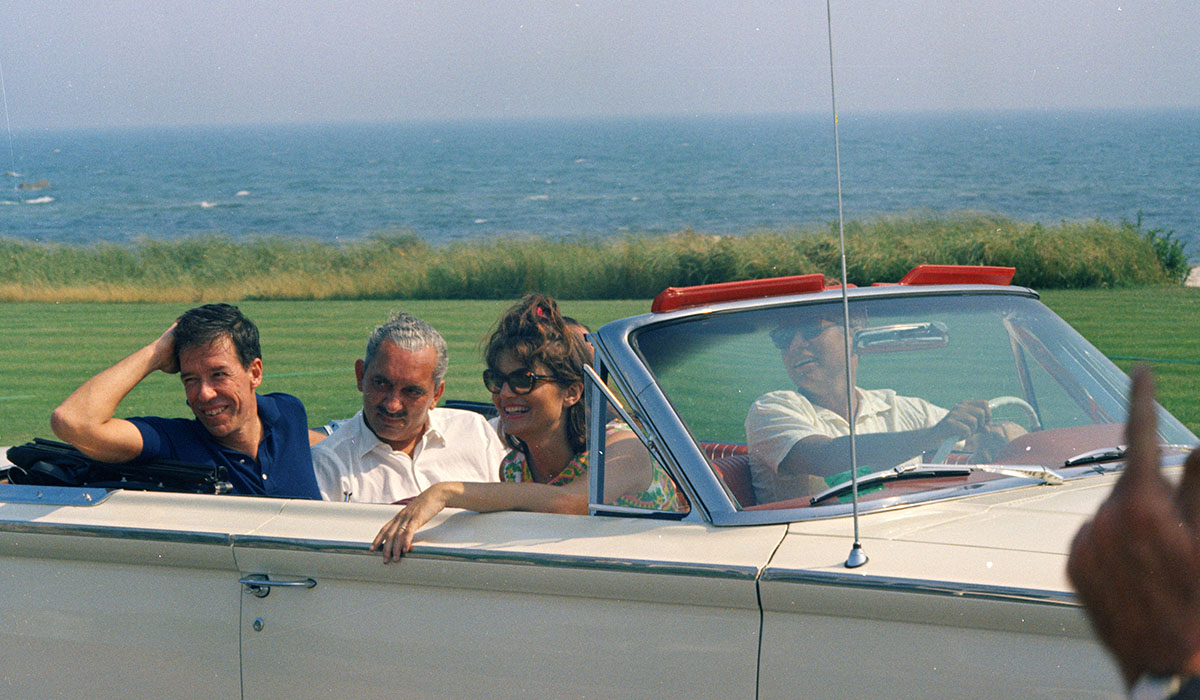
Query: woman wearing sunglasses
{"x": 535, "y": 374}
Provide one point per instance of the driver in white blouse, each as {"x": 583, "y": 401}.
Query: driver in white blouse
{"x": 796, "y": 438}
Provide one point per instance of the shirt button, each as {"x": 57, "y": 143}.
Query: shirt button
{"x": 264, "y": 477}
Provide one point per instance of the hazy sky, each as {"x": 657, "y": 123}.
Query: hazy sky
{"x": 134, "y": 62}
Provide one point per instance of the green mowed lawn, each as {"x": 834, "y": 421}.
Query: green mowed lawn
{"x": 1158, "y": 326}
{"x": 309, "y": 348}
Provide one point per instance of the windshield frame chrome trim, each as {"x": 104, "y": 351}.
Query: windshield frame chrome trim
{"x": 707, "y": 498}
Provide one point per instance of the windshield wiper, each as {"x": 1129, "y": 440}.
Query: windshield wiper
{"x": 1104, "y": 454}
{"x": 914, "y": 471}
{"x": 1112, "y": 454}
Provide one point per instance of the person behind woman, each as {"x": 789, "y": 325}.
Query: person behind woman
{"x": 535, "y": 373}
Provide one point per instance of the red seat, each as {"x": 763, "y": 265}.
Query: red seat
{"x": 732, "y": 464}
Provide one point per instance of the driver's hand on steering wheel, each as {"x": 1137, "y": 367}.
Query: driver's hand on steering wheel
{"x": 964, "y": 420}
{"x": 984, "y": 446}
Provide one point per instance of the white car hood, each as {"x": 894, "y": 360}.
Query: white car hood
{"x": 1016, "y": 539}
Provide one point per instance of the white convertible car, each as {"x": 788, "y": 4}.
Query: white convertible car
{"x": 119, "y": 593}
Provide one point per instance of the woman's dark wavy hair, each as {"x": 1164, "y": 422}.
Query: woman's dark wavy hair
{"x": 534, "y": 331}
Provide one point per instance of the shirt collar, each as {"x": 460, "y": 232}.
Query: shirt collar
{"x": 435, "y": 429}
{"x": 365, "y": 440}
{"x": 268, "y": 415}
{"x": 870, "y": 403}
{"x": 268, "y": 412}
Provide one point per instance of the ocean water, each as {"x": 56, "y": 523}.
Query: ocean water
{"x": 598, "y": 177}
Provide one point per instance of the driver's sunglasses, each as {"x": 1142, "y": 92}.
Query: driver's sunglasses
{"x": 521, "y": 381}
{"x": 783, "y": 336}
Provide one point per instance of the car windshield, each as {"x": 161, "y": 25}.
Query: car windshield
{"x": 759, "y": 390}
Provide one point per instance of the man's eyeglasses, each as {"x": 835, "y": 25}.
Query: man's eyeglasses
{"x": 521, "y": 381}
{"x": 782, "y": 336}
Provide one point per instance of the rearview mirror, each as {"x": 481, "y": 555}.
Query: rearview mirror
{"x": 901, "y": 337}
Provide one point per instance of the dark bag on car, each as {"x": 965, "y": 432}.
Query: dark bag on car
{"x": 50, "y": 463}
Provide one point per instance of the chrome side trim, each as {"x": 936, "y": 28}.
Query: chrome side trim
{"x": 927, "y": 587}
{"x": 115, "y": 533}
{"x": 52, "y": 495}
{"x": 558, "y": 561}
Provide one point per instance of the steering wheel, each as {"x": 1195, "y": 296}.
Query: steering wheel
{"x": 1033, "y": 425}
{"x": 943, "y": 450}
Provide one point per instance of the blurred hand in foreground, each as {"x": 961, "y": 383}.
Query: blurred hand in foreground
{"x": 1136, "y": 564}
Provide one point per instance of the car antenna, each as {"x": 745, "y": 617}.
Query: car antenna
{"x": 12, "y": 159}
{"x": 857, "y": 556}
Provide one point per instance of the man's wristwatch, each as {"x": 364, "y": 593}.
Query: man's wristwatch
{"x": 1154, "y": 687}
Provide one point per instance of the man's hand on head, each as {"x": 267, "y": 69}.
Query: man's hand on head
{"x": 164, "y": 352}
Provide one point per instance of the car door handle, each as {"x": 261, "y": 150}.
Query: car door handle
{"x": 260, "y": 585}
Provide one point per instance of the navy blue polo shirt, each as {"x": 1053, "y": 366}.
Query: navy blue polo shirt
{"x": 284, "y": 464}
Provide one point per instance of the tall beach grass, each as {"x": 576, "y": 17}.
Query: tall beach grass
{"x": 1067, "y": 255}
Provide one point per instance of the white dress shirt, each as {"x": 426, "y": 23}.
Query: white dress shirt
{"x": 457, "y": 445}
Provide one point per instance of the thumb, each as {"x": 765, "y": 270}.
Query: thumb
{"x": 1142, "y": 458}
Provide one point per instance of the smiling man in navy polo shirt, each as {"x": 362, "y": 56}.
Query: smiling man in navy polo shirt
{"x": 262, "y": 440}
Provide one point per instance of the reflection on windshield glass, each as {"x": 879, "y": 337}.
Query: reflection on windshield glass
{"x": 987, "y": 379}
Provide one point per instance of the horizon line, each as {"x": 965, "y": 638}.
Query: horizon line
{"x": 595, "y": 117}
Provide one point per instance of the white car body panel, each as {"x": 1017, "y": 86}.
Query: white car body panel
{"x": 975, "y": 589}
{"x": 494, "y": 606}
{"x": 508, "y": 604}
{"x": 140, "y": 588}
{"x": 487, "y": 605}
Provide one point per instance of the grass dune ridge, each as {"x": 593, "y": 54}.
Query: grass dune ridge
{"x": 1069, "y": 255}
